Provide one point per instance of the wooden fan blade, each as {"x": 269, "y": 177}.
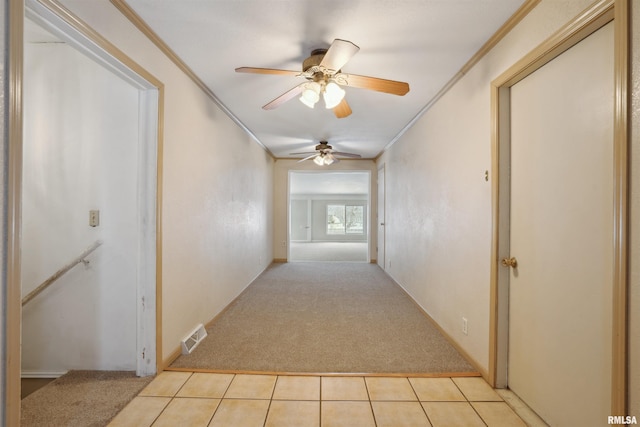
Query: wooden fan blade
{"x": 292, "y": 93}
{"x": 338, "y": 54}
{"x": 266, "y": 71}
{"x": 381, "y": 85}
{"x": 342, "y": 110}
{"x": 338, "y": 153}
{"x": 308, "y": 157}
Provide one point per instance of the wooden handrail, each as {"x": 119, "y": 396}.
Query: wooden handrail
{"x": 55, "y": 276}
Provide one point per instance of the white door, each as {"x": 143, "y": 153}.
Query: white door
{"x": 300, "y": 220}
{"x": 560, "y": 293}
{"x": 381, "y": 224}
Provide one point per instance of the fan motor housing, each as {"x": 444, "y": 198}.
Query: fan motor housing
{"x": 314, "y": 60}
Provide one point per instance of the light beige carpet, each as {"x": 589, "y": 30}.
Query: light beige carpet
{"x": 325, "y": 318}
{"x": 81, "y": 399}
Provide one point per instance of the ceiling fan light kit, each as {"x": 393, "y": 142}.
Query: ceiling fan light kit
{"x": 333, "y": 95}
{"x": 310, "y": 94}
{"x": 324, "y": 159}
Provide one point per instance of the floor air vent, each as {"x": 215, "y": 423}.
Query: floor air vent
{"x": 192, "y": 340}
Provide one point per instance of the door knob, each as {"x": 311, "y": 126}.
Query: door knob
{"x": 510, "y": 262}
{"x": 382, "y": 223}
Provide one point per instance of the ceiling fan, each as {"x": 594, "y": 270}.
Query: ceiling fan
{"x": 322, "y": 70}
{"x": 324, "y": 155}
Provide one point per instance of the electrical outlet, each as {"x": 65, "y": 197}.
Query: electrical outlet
{"x": 465, "y": 330}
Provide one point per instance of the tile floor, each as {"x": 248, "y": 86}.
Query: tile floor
{"x": 207, "y": 399}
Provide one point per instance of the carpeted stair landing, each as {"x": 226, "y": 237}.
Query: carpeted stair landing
{"x": 81, "y": 399}
{"x": 325, "y": 318}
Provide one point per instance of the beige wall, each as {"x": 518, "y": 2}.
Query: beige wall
{"x": 634, "y": 255}
{"x": 281, "y": 195}
{"x": 217, "y": 189}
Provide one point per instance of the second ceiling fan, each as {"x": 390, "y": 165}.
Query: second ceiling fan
{"x": 322, "y": 70}
{"x": 324, "y": 155}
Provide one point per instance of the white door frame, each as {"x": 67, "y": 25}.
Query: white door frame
{"x": 60, "y": 22}
{"x": 585, "y": 24}
{"x": 380, "y": 219}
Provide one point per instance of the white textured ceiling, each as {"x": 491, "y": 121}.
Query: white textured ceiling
{"x": 421, "y": 42}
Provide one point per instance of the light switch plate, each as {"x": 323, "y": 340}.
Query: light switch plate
{"x": 94, "y": 218}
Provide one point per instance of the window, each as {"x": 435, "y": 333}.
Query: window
{"x": 345, "y": 219}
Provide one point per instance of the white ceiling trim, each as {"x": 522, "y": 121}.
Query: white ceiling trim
{"x": 136, "y": 20}
{"x": 499, "y": 35}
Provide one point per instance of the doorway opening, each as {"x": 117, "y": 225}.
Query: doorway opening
{"x": 329, "y": 216}
{"x": 90, "y": 173}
